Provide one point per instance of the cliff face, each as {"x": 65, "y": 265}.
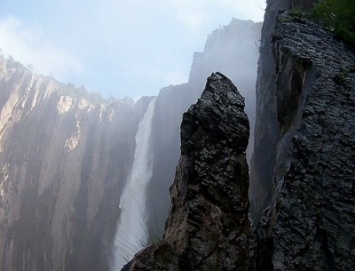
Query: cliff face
{"x": 266, "y": 126}
{"x": 208, "y": 226}
{"x": 300, "y": 167}
{"x": 312, "y": 215}
{"x": 267, "y": 129}
{"x": 65, "y": 158}
{"x": 63, "y": 163}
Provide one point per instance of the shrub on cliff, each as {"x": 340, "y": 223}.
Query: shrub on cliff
{"x": 340, "y": 16}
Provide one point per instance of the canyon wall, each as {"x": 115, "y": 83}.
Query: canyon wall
{"x": 267, "y": 130}
{"x": 310, "y": 220}
{"x": 64, "y": 160}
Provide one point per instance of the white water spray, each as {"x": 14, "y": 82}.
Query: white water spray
{"x": 131, "y": 232}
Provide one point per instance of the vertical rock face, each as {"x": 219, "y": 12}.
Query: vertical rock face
{"x": 63, "y": 163}
{"x": 266, "y": 126}
{"x": 267, "y": 130}
{"x": 208, "y": 226}
{"x": 312, "y": 216}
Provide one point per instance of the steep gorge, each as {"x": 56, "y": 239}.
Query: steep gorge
{"x": 66, "y": 156}
{"x": 65, "y": 159}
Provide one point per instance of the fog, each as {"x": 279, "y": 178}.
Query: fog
{"x": 132, "y": 229}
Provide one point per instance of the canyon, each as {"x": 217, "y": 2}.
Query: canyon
{"x": 67, "y": 157}
{"x": 259, "y": 179}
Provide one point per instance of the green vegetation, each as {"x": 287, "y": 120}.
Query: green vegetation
{"x": 297, "y": 12}
{"x": 339, "y": 15}
{"x": 343, "y": 73}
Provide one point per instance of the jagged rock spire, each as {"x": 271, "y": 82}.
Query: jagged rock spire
{"x": 208, "y": 227}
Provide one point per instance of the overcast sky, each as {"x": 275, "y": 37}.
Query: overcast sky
{"x": 116, "y": 47}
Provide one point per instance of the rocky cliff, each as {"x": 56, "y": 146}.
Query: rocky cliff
{"x": 64, "y": 160}
{"x": 303, "y": 160}
{"x": 208, "y": 226}
{"x": 311, "y": 217}
{"x": 267, "y": 130}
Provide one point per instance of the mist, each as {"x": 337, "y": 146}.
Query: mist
{"x": 85, "y": 179}
{"x": 132, "y": 229}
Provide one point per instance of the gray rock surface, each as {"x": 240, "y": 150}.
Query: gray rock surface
{"x": 208, "y": 226}
{"x": 312, "y": 216}
{"x": 267, "y": 130}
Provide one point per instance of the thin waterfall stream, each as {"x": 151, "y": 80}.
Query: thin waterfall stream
{"x": 132, "y": 232}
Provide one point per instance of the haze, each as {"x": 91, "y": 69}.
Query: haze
{"x": 118, "y": 48}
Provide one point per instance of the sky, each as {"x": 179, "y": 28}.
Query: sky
{"x": 116, "y": 47}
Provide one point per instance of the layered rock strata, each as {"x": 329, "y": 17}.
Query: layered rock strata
{"x": 208, "y": 226}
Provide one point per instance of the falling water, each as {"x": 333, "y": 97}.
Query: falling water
{"x": 131, "y": 232}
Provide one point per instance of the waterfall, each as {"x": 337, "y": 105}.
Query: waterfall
{"x": 131, "y": 233}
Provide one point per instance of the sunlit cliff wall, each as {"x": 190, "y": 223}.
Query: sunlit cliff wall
{"x": 64, "y": 159}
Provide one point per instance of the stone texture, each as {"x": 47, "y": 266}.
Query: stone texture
{"x": 267, "y": 130}
{"x": 208, "y": 226}
{"x": 266, "y": 126}
{"x": 311, "y": 219}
